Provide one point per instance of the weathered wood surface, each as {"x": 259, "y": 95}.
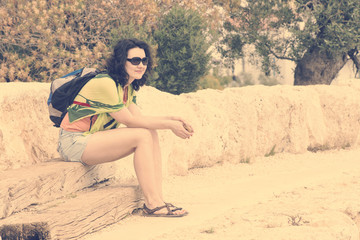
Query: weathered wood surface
{"x": 31, "y": 231}
{"x": 76, "y": 215}
{"x": 44, "y": 182}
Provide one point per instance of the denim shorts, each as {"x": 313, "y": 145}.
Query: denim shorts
{"x": 71, "y": 145}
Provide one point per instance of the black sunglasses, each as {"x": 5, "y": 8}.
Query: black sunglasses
{"x": 137, "y": 60}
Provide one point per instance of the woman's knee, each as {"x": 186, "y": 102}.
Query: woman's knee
{"x": 154, "y": 134}
{"x": 144, "y": 135}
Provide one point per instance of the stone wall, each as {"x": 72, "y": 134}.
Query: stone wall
{"x": 234, "y": 125}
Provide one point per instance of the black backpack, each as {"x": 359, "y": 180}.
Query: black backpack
{"x": 63, "y": 91}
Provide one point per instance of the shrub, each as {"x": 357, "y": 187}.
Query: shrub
{"x": 182, "y": 51}
{"x": 209, "y": 81}
{"x": 246, "y": 79}
{"x": 267, "y": 80}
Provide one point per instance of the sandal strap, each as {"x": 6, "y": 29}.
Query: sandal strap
{"x": 152, "y": 211}
{"x": 167, "y": 206}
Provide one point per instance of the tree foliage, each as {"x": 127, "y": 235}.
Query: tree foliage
{"x": 42, "y": 38}
{"x": 182, "y": 51}
{"x": 206, "y": 8}
{"x": 297, "y": 30}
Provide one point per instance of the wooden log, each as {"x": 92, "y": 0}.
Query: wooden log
{"x": 36, "y": 231}
{"x": 44, "y": 182}
{"x": 74, "y": 216}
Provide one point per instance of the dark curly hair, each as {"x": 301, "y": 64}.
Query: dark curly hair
{"x": 115, "y": 64}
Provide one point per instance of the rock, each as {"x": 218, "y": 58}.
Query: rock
{"x": 234, "y": 125}
{"x": 26, "y": 133}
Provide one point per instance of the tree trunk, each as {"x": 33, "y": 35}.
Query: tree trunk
{"x": 318, "y": 67}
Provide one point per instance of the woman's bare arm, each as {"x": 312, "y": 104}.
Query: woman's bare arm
{"x": 132, "y": 117}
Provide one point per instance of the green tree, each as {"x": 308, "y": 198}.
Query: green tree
{"x": 318, "y": 35}
{"x": 182, "y": 51}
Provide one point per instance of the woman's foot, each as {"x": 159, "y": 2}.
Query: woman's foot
{"x": 166, "y": 210}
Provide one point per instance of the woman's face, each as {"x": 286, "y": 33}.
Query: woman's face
{"x": 135, "y": 71}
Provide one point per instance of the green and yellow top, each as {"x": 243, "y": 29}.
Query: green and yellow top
{"x": 90, "y": 110}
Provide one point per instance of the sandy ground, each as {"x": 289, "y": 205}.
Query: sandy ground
{"x": 286, "y": 196}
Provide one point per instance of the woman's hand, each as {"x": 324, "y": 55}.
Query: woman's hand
{"x": 179, "y": 129}
{"x": 186, "y": 124}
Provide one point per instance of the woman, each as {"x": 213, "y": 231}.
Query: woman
{"x": 89, "y": 132}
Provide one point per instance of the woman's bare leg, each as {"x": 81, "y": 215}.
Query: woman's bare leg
{"x": 157, "y": 160}
{"x": 111, "y": 145}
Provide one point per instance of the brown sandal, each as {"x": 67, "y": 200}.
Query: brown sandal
{"x": 151, "y": 212}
